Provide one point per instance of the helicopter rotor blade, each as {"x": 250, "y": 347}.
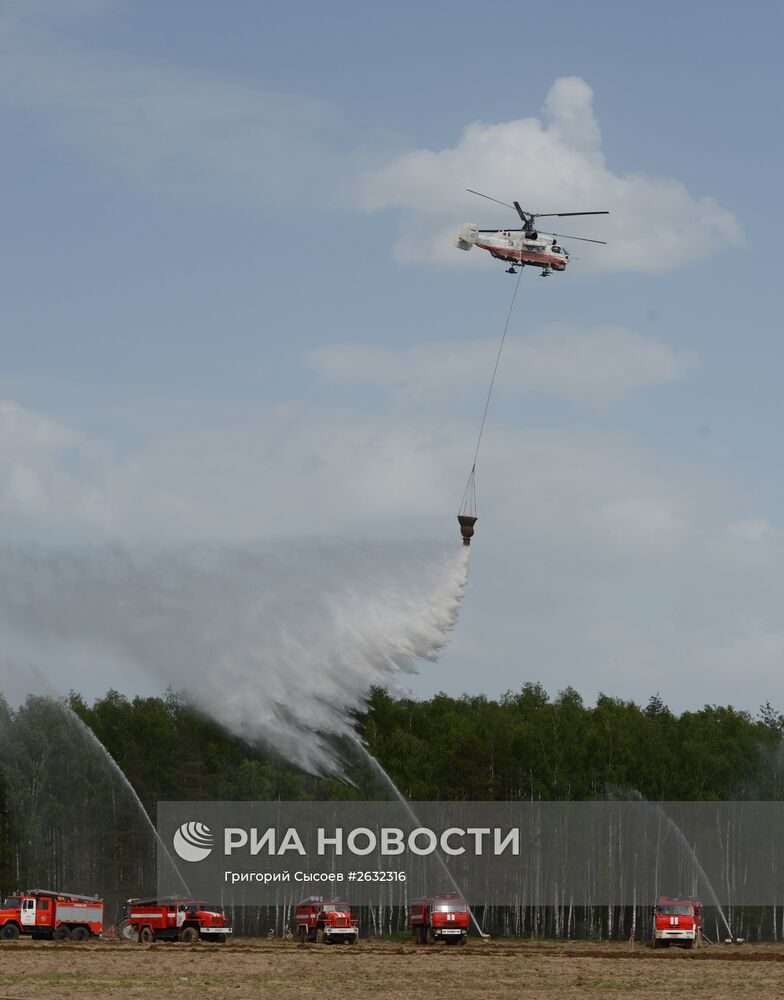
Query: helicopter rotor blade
{"x": 471, "y": 191}
{"x": 526, "y": 218}
{"x": 550, "y": 215}
{"x": 583, "y": 239}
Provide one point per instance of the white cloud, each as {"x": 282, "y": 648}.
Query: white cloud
{"x": 734, "y": 660}
{"x": 193, "y": 134}
{"x": 284, "y": 469}
{"x": 46, "y": 469}
{"x": 597, "y": 366}
{"x": 24, "y": 489}
{"x": 552, "y": 164}
{"x": 754, "y": 655}
{"x": 644, "y": 517}
{"x": 175, "y": 130}
{"x": 751, "y": 529}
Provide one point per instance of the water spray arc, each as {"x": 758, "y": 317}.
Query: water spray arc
{"x": 673, "y": 826}
{"x": 683, "y": 841}
{"x": 377, "y": 767}
{"x": 90, "y": 736}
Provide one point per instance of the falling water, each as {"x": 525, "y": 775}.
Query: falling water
{"x": 278, "y": 642}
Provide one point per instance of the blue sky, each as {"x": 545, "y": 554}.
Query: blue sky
{"x": 231, "y": 309}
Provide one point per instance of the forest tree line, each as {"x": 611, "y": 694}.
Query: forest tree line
{"x": 524, "y": 745}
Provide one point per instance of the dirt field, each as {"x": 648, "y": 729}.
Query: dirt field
{"x": 285, "y": 970}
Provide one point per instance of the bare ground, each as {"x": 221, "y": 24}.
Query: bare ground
{"x": 245, "y": 969}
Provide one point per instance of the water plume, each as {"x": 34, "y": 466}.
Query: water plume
{"x": 278, "y": 642}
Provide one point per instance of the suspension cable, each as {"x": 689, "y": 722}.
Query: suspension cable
{"x": 469, "y": 496}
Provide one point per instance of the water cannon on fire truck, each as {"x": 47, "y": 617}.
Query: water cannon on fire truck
{"x": 51, "y": 914}
{"x": 677, "y": 920}
{"x": 439, "y": 918}
{"x": 326, "y": 921}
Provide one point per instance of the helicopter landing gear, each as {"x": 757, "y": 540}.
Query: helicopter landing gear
{"x": 511, "y": 270}
{"x": 546, "y": 272}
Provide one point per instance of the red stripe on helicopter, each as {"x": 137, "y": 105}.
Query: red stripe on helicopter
{"x": 512, "y": 254}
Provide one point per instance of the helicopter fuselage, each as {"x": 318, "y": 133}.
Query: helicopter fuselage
{"x": 518, "y": 249}
{"x": 515, "y": 247}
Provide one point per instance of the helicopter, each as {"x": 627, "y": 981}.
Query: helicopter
{"x": 522, "y": 247}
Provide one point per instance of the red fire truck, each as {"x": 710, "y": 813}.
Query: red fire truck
{"x": 325, "y": 920}
{"x": 186, "y": 920}
{"x": 50, "y": 913}
{"x": 679, "y": 920}
{"x": 442, "y": 917}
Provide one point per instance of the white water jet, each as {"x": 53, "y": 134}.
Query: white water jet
{"x": 278, "y": 642}
{"x": 91, "y": 738}
{"x": 377, "y": 766}
{"x": 695, "y": 861}
{"x": 682, "y": 839}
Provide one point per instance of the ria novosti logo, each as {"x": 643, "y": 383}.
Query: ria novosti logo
{"x": 193, "y": 841}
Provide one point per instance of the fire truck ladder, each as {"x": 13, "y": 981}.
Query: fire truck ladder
{"x": 166, "y": 901}
{"x": 63, "y": 893}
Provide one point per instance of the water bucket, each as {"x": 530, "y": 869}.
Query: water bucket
{"x": 466, "y": 523}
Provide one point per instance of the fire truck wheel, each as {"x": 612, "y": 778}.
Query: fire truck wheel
{"x": 62, "y": 934}
{"x": 127, "y": 931}
{"x": 146, "y": 935}
{"x": 302, "y": 934}
{"x": 430, "y": 936}
{"x": 80, "y": 934}
{"x": 189, "y": 935}
{"x": 353, "y": 939}
{"x": 10, "y": 932}
{"x": 320, "y": 935}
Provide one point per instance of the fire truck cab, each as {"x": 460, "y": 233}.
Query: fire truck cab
{"x": 442, "y": 918}
{"x": 677, "y": 920}
{"x": 51, "y": 914}
{"x": 186, "y": 920}
{"x": 325, "y": 921}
